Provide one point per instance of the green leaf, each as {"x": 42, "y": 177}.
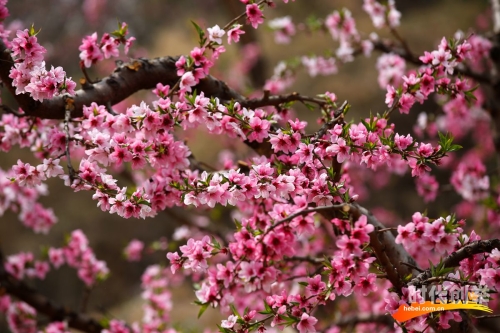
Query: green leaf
{"x": 201, "y": 33}
{"x": 235, "y": 312}
{"x": 310, "y": 106}
{"x": 408, "y": 277}
{"x": 215, "y": 243}
{"x": 455, "y": 147}
{"x": 32, "y": 31}
{"x": 203, "y": 308}
{"x": 104, "y": 322}
{"x": 268, "y": 307}
{"x": 305, "y": 284}
{"x": 238, "y": 224}
{"x": 368, "y": 126}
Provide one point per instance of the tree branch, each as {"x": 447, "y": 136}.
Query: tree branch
{"x": 454, "y": 259}
{"x": 44, "y": 305}
{"x": 127, "y": 79}
{"x": 141, "y": 74}
{"x": 495, "y": 8}
{"x": 387, "y": 47}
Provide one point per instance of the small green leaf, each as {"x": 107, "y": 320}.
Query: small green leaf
{"x": 201, "y": 33}
{"x": 215, "y": 243}
{"x": 235, "y": 312}
{"x": 310, "y": 106}
{"x": 32, "y": 31}
{"x": 203, "y": 308}
{"x": 455, "y": 147}
{"x": 104, "y": 322}
{"x": 268, "y": 307}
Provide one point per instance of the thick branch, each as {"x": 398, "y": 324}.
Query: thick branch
{"x": 280, "y": 99}
{"x": 44, "y": 305}
{"x": 389, "y": 48}
{"x": 454, "y": 259}
{"x": 391, "y": 256}
{"x": 127, "y": 79}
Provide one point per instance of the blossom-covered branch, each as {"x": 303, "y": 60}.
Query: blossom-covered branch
{"x": 453, "y": 260}
{"x": 127, "y": 79}
{"x": 44, "y": 305}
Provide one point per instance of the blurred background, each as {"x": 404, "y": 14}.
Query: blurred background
{"x": 162, "y": 27}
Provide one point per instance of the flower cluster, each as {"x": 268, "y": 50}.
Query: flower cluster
{"x": 76, "y": 253}
{"x": 470, "y": 180}
{"x": 422, "y": 235}
{"x": 29, "y": 74}
{"x": 284, "y": 29}
{"x": 92, "y": 52}
{"x": 21, "y": 318}
{"x": 79, "y": 255}
{"x": 23, "y": 264}
{"x": 23, "y": 201}
{"x": 382, "y": 15}
{"x": 133, "y": 251}
{"x": 158, "y": 304}
{"x": 319, "y": 65}
{"x": 391, "y": 69}
{"x": 432, "y": 77}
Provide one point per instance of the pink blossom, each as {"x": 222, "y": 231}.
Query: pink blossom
{"x": 284, "y": 29}
{"x": 427, "y": 187}
{"x": 259, "y": 128}
{"x": 133, "y": 250}
{"x": 339, "y": 149}
{"x": 233, "y": 35}
{"x": 254, "y": 15}
{"x": 21, "y": 318}
{"x": 406, "y": 101}
{"x": 402, "y": 142}
{"x": 215, "y": 34}
{"x": 56, "y": 257}
{"x": 306, "y": 324}
{"x": 187, "y": 81}
{"x": 109, "y": 46}
{"x": 91, "y": 53}
{"x": 229, "y": 323}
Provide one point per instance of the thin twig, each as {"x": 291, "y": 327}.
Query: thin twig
{"x": 303, "y": 212}
{"x": 495, "y": 8}
{"x": 443, "y": 278}
{"x": 237, "y": 18}
{"x": 85, "y": 299}
{"x": 454, "y": 259}
{"x": 487, "y": 316}
{"x": 7, "y": 109}
{"x": 387, "y": 229}
{"x": 67, "y": 117}
{"x": 412, "y": 266}
{"x": 44, "y": 305}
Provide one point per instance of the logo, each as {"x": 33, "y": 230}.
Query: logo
{"x": 442, "y": 299}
